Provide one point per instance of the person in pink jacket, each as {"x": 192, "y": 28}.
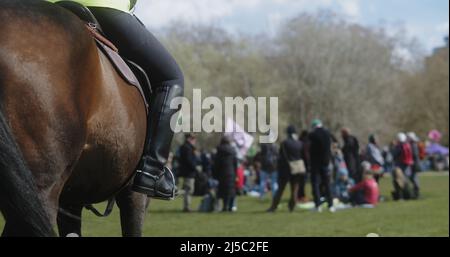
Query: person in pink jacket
{"x": 366, "y": 192}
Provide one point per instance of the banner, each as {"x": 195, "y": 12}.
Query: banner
{"x": 242, "y": 139}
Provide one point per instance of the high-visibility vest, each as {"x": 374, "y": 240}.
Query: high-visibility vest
{"x": 122, "y": 5}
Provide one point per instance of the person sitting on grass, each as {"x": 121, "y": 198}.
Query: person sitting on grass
{"x": 342, "y": 181}
{"x": 342, "y": 185}
{"x": 366, "y": 193}
{"x": 209, "y": 202}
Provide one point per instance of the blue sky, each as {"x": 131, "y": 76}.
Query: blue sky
{"x": 427, "y": 20}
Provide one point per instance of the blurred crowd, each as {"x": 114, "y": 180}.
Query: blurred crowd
{"x": 342, "y": 173}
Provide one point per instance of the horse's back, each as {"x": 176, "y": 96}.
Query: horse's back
{"x": 43, "y": 50}
{"x": 41, "y": 18}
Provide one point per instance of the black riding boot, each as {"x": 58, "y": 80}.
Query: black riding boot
{"x": 152, "y": 177}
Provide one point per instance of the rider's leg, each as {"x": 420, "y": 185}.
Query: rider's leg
{"x": 139, "y": 45}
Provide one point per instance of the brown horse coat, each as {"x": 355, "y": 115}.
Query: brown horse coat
{"x": 80, "y": 127}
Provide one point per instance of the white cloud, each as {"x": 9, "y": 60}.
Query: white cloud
{"x": 432, "y": 36}
{"x": 351, "y": 8}
{"x": 158, "y": 13}
{"x": 274, "y": 20}
{"x": 437, "y": 36}
{"x": 443, "y": 28}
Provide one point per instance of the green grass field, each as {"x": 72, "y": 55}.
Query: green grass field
{"x": 426, "y": 217}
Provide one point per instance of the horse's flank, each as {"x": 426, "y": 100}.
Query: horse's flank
{"x": 80, "y": 128}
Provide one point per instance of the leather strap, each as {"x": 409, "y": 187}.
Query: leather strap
{"x": 94, "y": 31}
{"x": 108, "y": 211}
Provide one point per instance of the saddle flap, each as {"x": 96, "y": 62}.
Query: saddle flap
{"x": 106, "y": 46}
{"x": 122, "y": 68}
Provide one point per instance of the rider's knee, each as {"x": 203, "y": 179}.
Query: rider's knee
{"x": 179, "y": 77}
{"x": 176, "y": 82}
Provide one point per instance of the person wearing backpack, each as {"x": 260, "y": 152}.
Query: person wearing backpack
{"x": 403, "y": 154}
{"x": 268, "y": 158}
{"x": 414, "y": 142}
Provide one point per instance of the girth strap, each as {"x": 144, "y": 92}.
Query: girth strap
{"x": 108, "y": 211}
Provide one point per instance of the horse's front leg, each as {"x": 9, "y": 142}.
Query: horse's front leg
{"x": 69, "y": 220}
{"x": 133, "y": 208}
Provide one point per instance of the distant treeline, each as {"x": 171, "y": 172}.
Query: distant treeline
{"x": 320, "y": 65}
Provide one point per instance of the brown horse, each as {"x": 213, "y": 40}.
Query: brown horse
{"x": 71, "y": 131}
